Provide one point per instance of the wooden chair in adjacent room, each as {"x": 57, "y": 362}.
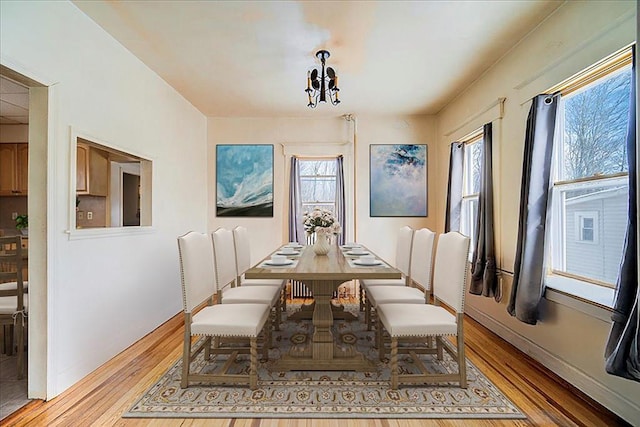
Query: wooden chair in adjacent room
{"x": 204, "y": 319}
{"x": 14, "y": 301}
{"x": 412, "y": 322}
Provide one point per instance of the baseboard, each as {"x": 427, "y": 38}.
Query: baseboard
{"x": 609, "y": 398}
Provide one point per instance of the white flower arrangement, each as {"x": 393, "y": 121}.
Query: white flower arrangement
{"x": 321, "y": 221}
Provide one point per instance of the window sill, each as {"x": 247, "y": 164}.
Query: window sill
{"x": 596, "y": 301}
{"x": 95, "y": 233}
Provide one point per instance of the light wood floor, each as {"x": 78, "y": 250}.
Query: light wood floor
{"x": 101, "y": 398}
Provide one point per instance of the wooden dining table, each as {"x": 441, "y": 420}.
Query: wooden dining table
{"x": 322, "y": 274}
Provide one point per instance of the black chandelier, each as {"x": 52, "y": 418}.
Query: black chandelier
{"x": 319, "y": 87}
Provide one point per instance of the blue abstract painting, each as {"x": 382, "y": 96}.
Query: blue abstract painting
{"x": 244, "y": 180}
{"x": 398, "y": 180}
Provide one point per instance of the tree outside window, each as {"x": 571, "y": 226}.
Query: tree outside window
{"x": 590, "y": 193}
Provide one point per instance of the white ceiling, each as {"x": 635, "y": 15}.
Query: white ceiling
{"x": 250, "y": 58}
{"x": 14, "y": 102}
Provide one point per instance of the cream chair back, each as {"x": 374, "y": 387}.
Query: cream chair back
{"x": 196, "y": 269}
{"x": 403, "y": 250}
{"x": 422, "y": 257}
{"x": 224, "y": 257}
{"x": 451, "y": 270}
{"x": 242, "y": 249}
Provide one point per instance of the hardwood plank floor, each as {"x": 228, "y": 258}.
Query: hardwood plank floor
{"x": 101, "y": 397}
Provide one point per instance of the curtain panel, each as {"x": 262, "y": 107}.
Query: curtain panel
{"x": 484, "y": 280}
{"x": 454, "y": 188}
{"x": 296, "y": 230}
{"x": 340, "y": 199}
{"x": 535, "y": 201}
{"x": 622, "y": 352}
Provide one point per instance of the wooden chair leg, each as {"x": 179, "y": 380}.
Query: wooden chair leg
{"x": 268, "y": 342}
{"x": 207, "y": 348}
{"x": 284, "y": 298}
{"x": 439, "y": 349}
{"x": 394, "y": 363}
{"x": 276, "y": 317}
{"x": 379, "y": 340}
{"x": 8, "y": 340}
{"x": 19, "y": 327}
{"x": 462, "y": 362}
{"x": 186, "y": 359}
{"x": 253, "y": 368}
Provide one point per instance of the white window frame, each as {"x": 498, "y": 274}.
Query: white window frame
{"x": 309, "y": 206}
{"x": 467, "y": 219}
{"x": 583, "y": 288}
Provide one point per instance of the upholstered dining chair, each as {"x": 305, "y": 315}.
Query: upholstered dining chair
{"x": 14, "y": 303}
{"x": 404, "y": 244}
{"x": 226, "y": 276}
{"x": 215, "y": 321}
{"x": 413, "y": 322}
{"x": 420, "y": 277}
{"x": 242, "y": 250}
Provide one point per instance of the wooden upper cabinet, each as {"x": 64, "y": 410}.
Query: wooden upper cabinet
{"x": 92, "y": 171}
{"x": 23, "y": 168}
{"x": 82, "y": 168}
{"x": 14, "y": 169}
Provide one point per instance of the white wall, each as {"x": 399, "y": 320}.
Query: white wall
{"x": 291, "y": 134}
{"x": 105, "y": 293}
{"x": 577, "y": 35}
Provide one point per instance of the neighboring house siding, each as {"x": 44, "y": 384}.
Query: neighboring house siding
{"x": 599, "y": 259}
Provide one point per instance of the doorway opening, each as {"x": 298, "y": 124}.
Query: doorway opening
{"x": 24, "y": 116}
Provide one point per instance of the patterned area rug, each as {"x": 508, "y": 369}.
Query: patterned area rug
{"x": 323, "y": 394}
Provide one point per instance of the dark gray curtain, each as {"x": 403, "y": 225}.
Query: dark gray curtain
{"x": 484, "y": 280}
{"x": 528, "y": 270}
{"x": 296, "y": 231}
{"x": 454, "y": 189}
{"x": 340, "y": 202}
{"x": 623, "y": 346}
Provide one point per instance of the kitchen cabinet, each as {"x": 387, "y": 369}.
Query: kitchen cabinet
{"x": 92, "y": 171}
{"x": 14, "y": 169}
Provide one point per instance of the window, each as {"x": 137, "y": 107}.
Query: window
{"x": 471, "y": 186}
{"x": 111, "y": 188}
{"x": 590, "y": 183}
{"x": 586, "y": 227}
{"x": 318, "y": 184}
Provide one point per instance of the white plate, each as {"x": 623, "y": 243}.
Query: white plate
{"x": 293, "y": 246}
{"x": 288, "y": 253}
{"x": 357, "y": 253}
{"x": 350, "y": 247}
{"x": 287, "y": 262}
{"x": 365, "y": 264}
